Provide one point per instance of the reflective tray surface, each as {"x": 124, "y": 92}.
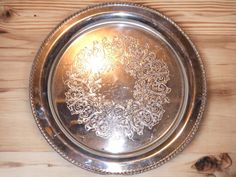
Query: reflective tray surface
{"x": 118, "y": 88}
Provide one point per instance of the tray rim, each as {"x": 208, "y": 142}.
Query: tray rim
{"x": 171, "y": 155}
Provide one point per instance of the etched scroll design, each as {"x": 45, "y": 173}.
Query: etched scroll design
{"x": 105, "y": 116}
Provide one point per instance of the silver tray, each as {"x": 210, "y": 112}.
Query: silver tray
{"x": 118, "y": 88}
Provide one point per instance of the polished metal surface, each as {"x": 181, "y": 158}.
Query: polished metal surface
{"x": 117, "y": 88}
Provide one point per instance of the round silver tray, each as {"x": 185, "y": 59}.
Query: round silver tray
{"x": 118, "y": 88}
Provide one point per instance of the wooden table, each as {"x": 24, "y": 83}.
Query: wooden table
{"x": 25, "y": 24}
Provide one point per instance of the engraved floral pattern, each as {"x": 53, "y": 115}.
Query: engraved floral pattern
{"x": 131, "y": 114}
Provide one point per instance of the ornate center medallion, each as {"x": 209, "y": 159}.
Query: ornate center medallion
{"x": 117, "y": 84}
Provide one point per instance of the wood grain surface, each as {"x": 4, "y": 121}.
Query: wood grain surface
{"x": 24, "y": 24}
